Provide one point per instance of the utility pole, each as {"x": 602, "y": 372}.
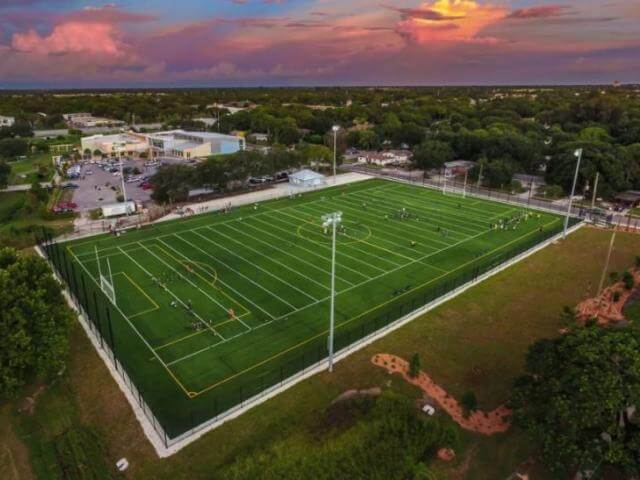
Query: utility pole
{"x": 606, "y": 264}
{"x": 332, "y": 220}
{"x": 595, "y": 190}
{"x": 577, "y": 153}
{"x": 480, "y": 174}
{"x": 464, "y": 188}
{"x": 335, "y": 150}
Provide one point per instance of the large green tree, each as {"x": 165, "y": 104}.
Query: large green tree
{"x": 34, "y": 321}
{"x": 580, "y": 396}
{"x": 5, "y": 172}
{"x": 432, "y": 154}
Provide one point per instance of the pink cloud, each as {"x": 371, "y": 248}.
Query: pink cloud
{"x": 538, "y": 12}
{"x": 71, "y": 37}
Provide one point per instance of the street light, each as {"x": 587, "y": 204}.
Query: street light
{"x": 332, "y": 220}
{"x": 577, "y": 153}
{"x": 335, "y": 129}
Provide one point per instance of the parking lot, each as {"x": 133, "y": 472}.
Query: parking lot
{"x": 100, "y": 183}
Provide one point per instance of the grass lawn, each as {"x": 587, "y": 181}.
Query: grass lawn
{"x": 17, "y": 227}
{"x": 27, "y": 171}
{"x": 476, "y": 341}
{"x": 213, "y": 309}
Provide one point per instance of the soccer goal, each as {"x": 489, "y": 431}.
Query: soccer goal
{"x": 108, "y": 289}
{"x": 106, "y": 282}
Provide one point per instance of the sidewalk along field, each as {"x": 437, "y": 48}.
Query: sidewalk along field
{"x": 213, "y": 309}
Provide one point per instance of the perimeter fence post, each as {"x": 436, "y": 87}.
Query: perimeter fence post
{"x": 113, "y": 345}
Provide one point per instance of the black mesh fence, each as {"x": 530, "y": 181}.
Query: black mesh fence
{"x": 173, "y": 414}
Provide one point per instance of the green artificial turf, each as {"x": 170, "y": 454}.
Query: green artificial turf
{"x": 215, "y": 308}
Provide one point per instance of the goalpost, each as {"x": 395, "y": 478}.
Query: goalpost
{"x": 106, "y": 282}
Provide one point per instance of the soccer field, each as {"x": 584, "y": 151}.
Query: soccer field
{"x": 213, "y": 309}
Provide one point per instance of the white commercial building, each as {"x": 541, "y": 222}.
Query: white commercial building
{"x": 183, "y": 144}
{"x": 307, "y": 178}
{"x": 7, "y": 121}
{"x": 121, "y": 144}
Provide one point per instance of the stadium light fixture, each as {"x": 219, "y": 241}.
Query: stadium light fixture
{"x": 332, "y": 220}
{"x": 335, "y": 129}
{"x": 578, "y": 154}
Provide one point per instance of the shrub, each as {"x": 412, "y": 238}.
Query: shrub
{"x": 469, "y": 403}
{"x": 414, "y": 366}
{"x": 616, "y": 296}
{"x": 628, "y": 280}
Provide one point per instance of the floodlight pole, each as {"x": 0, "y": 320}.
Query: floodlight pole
{"x": 335, "y": 150}
{"x": 578, "y": 153}
{"x": 124, "y": 191}
{"x": 334, "y": 219}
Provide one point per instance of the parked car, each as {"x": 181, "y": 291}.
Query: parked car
{"x": 146, "y": 186}
{"x": 88, "y": 172}
{"x": 71, "y": 186}
{"x": 282, "y": 177}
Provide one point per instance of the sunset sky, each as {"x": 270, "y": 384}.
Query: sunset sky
{"x": 67, "y": 43}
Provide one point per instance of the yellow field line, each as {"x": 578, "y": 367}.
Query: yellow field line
{"x": 164, "y": 365}
{"x": 135, "y": 284}
{"x": 361, "y": 314}
{"x": 178, "y": 340}
{"x": 213, "y": 284}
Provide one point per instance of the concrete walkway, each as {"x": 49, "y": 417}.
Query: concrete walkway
{"x": 279, "y": 190}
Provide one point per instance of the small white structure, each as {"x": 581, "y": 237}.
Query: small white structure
{"x": 389, "y": 157}
{"x": 260, "y": 137}
{"x": 307, "y": 178}
{"x": 118, "y": 209}
{"x": 7, "y": 121}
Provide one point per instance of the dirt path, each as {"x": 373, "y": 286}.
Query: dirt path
{"x": 604, "y": 308}
{"x": 486, "y": 423}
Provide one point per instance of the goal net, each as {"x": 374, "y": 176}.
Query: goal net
{"x": 108, "y": 289}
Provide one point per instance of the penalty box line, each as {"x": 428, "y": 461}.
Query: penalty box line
{"x": 137, "y": 332}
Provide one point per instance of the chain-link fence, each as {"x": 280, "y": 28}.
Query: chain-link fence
{"x": 174, "y": 416}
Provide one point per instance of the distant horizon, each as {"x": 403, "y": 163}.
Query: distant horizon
{"x": 284, "y": 87}
{"x": 79, "y": 44}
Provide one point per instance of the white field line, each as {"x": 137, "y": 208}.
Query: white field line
{"x": 356, "y": 286}
{"x": 438, "y": 199}
{"x": 326, "y": 272}
{"x": 214, "y": 300}
{"x": 298, "y": 246}
{"x": 393, "y": 223}
{"x": 381, "y": 236}
{"x": 144, "y": 340}
{"x": 296, "y": 272}
{"x": 352, "y": 246}
{"x": 168, "y": 290}
{"x": 382, "y": 230}
{"x": 381, "y": 206}
{"x": 318, "y": 244}
{"x": 264, "y": 211}
{"x": 219, "y": 279}
{"x": 445, "y": 220}
{"x": 274, "y": 295}
{"x": 256, "y": 266}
